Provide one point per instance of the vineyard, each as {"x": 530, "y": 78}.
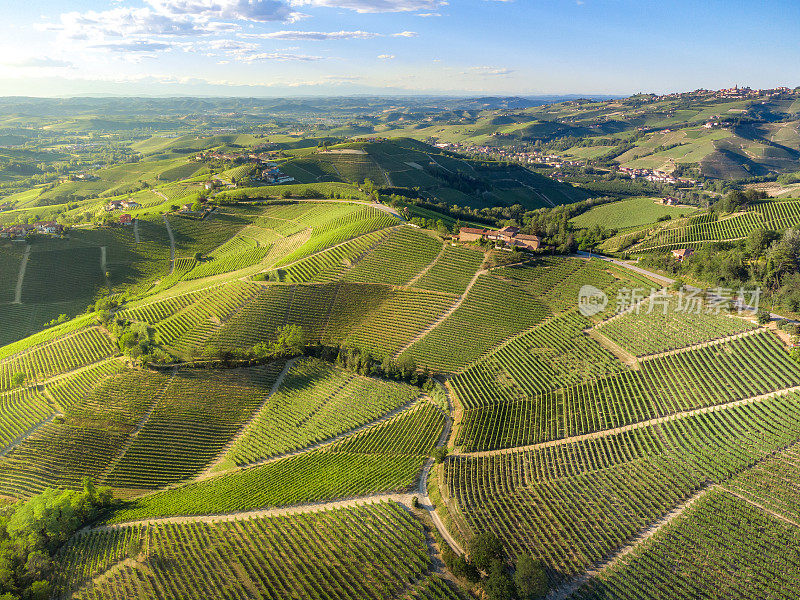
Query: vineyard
{"x": 688, "y": 232}
{"x": 741, "y": 368}
{"x": 61, "y": 355}
{"x": 397, "y": 258}
{"x": 571, "y": 438}
{"x": 372, "y": 551}
{"x": 555, "y": 354}
{"x": 613, "y": 485}
{"x": 722, "y": 547}
{"x": 677, "y": 323}
{"x": 316, "y": 402}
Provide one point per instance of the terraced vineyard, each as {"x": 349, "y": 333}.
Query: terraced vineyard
{"x": 452, "y": 271}
{"x": 570, "y": 438}
{"x": 770, "y": 215}
{"x": 613, "y": 485}
{"x": 343, "y": 554}
{"x": 493, "y": 310}
{"x": 678, "y": 326}
{"x": 64, "y": 354}
{"x": 741, "y": 368}
{"x": 397, "y": 259}
{"x": 721, "y": 547}
{"x": 552, "y": 355}
{"x": 188, "y": 424}
{"x": 316, "y": 402}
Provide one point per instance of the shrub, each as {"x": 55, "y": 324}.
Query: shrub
{"x": 530, "y": 578}
{"x": 484, "y": 548}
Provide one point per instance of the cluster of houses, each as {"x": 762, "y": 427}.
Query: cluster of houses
{"x": 256, "y": 157}
{"x": 654, "y": 176}
{"x": 733, "y": 93}
{"x": 25, "y": 229}
{"x": 122, "y": 205}
{"x": 507, "y": 237}
{"x": 527, "y": 157}
{"x": 273, "y": 175}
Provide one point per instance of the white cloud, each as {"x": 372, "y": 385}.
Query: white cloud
{"x": 386, "y": 56}
{"x": 488, "y": 71}
{"x": 279, "y": 56}
{"x": 39, "y": 62}
{"x": 319, "y": 35}
{"x": 375, "y": 6}
{"x": 239, "y": 10}
{"x": 407, "y": 34}
{"x": 430, "y": 14}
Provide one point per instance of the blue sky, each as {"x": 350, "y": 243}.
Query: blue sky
{"x": 297, "y": 47}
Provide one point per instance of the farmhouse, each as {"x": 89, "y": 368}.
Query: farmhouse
{"x": 508, "y": 237}
{"x": 48, "y": 227}
{"x": 125, "y": 219}
{"x": 114, "y": 205}
{"x": 17, "y": 231}
{"x": 130, "y": 204}
{"x": 682, "y": 253}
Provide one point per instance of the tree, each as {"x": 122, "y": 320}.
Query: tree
{"x": 484, "y": 548}
{"x": 763, "y": 316}
{"x": 440, "y": 453}
{"x": 464, "y": 569}
{"x": 530, "y": 578}
{"x": 499, "y": 585}
{"x": 757, "y": 241}
{"x": 18, "y": 379}
{"x": 291, "y": 340}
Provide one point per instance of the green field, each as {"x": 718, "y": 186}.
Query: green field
{"x": 632, "y": 212}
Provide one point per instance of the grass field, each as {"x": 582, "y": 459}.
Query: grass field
{"x": 628, "y": 213}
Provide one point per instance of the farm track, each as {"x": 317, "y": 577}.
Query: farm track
{"x": 441, "y": 318}
{"x": 315, "y": 446}
{"x": 23, "y": 266}
{"x": 761, "y": 507}
{"x": 136, "y": 230}
{"x": 24, "y": 436}
{"x": 235, "y": 440}
{"x": 666, "y": 281}
{"x": 171, "y": 246}
{"x": 424, "y": 271}
{"x": 632, "y": 426}
{"x": 567, "y": 590}
{"x": 139, "y": 426}
{"x": 401, "y": 498}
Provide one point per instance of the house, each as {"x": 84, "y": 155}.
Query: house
{"x": 528, "y": 242}
{"x": 682, "y": 253}
{"x": 18, "y": 231}
{"x": 48, "y": 227}
{"x": 125, "y": 219}
{"x": 209, "y": 185}
{"x": 130, "y": 204}
{"x": 114, "y": 205}
{"x": 508, "y": 237}
{"x": 470, "y": 234}
{"x": 670, "y": 201}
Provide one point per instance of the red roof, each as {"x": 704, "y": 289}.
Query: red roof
{"x": 472, "y": 230}
{"x": 125, "y": 218}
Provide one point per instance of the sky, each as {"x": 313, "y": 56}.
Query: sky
{"x": 343, "y": 47}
